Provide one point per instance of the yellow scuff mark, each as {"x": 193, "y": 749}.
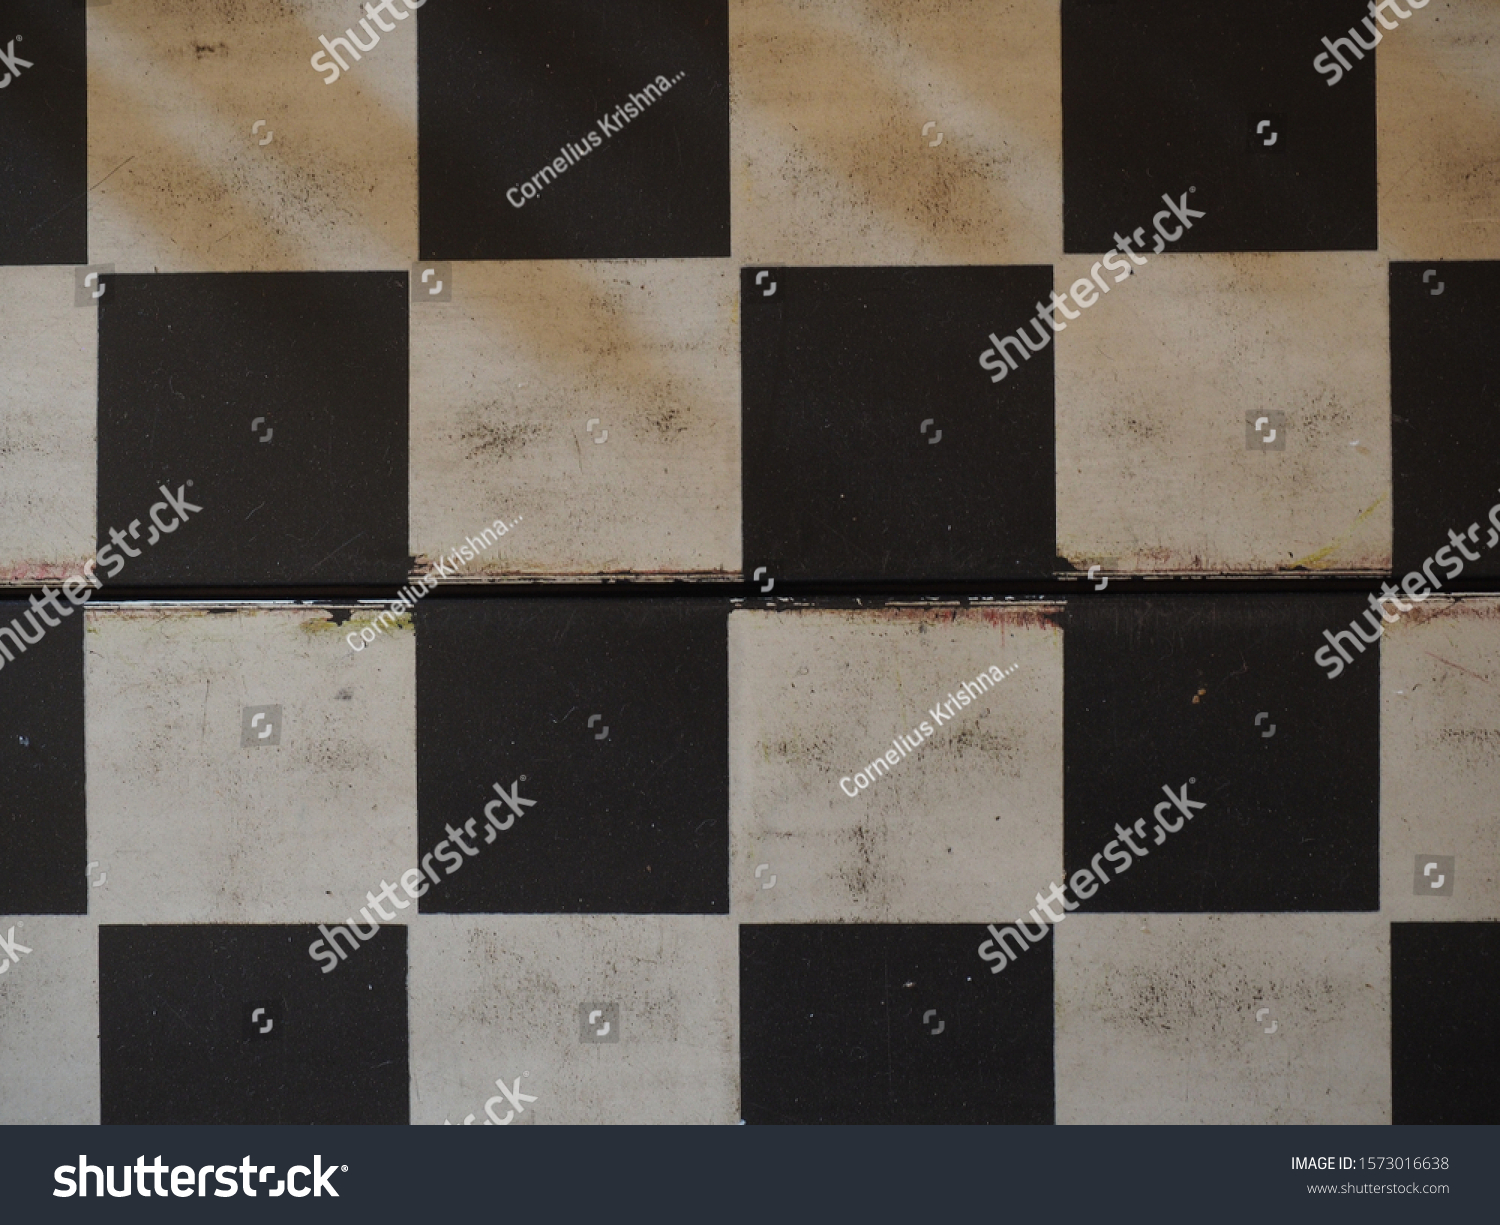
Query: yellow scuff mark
{"x": 358, "y": 621}
{"x": 1310, "y": 562}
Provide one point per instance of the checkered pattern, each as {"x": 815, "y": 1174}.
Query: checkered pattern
{"x": 740, "y": 335}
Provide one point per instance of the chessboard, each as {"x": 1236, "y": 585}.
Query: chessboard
{"x": 868, "y": 561}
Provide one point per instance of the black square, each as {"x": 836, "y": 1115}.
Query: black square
{"x": 884, "y": 437}
{"x": 173, "y": 1006}
{"x": 43, "y": 135}
{"x": 1221, "y": 694}
{"x": 43, "y": 834}
{"x": 278, "y": 403}
{"x": 506, "y": 90}
{"x": 613, "y": 718}
{"x": 1445, "y": 1013}
{"x": 891, "y": 1023}
{"x": 1445, "y": 420}
{"x": 1191, "y": 73}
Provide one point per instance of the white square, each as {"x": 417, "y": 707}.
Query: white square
{"x": 964, "y": 828}
{"x": 1154, "y": 382}
{"x": 1245, "y": 1018}
{"x": 49, "y": 1022}
{"x": 1439, "y": 765}
{"x": 493, "y": 997}
{"x": 48, "y": 426}
{"x": 615, "y": 382}
{"x": 191, "y": 826}
{"x": 214, "y": 145}
{"x": 896, "y": 134}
